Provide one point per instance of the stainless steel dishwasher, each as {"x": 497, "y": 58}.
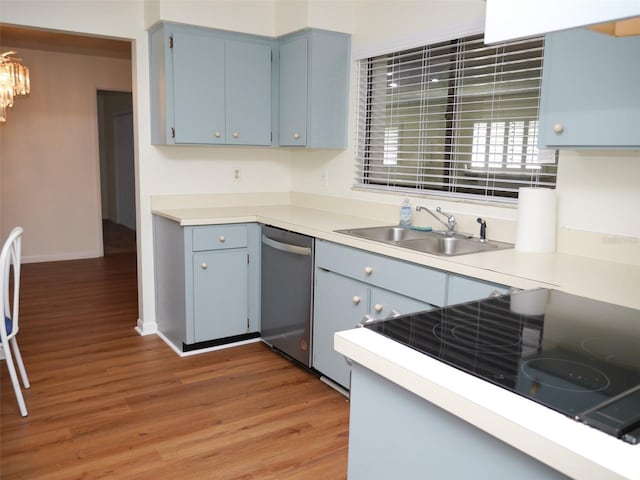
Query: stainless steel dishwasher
{"x": 287, "y": 292}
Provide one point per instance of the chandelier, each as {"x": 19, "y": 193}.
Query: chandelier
{"x": 14, "y": 80}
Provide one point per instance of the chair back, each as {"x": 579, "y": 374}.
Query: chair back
{"x": 10, "y": 256}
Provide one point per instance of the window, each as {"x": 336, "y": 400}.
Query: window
{"x": 456, "y": 118}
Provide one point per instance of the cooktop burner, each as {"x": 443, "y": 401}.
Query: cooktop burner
{"x": 578, "y": 356}
{"x": 468, "y": 336}
{"x": 574, "y": 376}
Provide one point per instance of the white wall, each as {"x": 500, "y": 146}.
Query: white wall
{"x": 248, "y": 16}
{"x": 599, "y": 191}
{"x": 49, "y": 150}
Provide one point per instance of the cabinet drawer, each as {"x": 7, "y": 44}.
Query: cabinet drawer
{"x": 465, "y": 289}
{"x": 416, "y": 281}
{"x": 219, "y": 237}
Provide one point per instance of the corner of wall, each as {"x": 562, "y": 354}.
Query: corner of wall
{"x": 151, "y": 12}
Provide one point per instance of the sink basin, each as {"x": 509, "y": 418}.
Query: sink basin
{"x": 385, "y": 234}
{"x": 439, "y": 244}
{"x": 435, "y": 242}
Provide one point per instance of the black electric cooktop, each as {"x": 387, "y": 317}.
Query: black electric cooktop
{"x": 578, "y": 356}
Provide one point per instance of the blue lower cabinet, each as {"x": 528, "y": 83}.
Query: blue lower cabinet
{"x": 339, "y": 304}
{"x": 220, "y": 292}
{"x": 394, "y": 433}
{"x": 462, "y": 289}
{"x": 207, "y": 282}
{"x": 351, "y": 283}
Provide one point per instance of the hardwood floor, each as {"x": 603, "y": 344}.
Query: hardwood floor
{"x": 107, "y": 403}
{"x": 117, "y": 238}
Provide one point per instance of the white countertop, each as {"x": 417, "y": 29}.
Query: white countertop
{"x": 577, "y": 450}
{"x": 606, "y": 281}
{"x": 573, "y": 448}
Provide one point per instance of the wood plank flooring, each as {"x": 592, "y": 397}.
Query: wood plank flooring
{"x": 107, "y": 403}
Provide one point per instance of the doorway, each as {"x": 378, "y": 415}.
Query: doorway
{"x": 117, "y": 173}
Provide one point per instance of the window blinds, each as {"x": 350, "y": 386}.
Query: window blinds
{"x": 455, "y": 118}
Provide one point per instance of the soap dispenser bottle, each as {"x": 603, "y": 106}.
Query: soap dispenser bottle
{"x": 405, "y": 213}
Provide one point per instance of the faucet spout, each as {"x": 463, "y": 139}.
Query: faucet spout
{"x": 450, "y": 224}
{"x": 451, "y": 220}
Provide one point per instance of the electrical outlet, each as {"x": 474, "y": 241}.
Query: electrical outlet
{"x": 235, "y": 174}
{"x": 324, "y": 178}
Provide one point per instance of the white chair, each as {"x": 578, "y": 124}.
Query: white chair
{"x": 10, "y": 257}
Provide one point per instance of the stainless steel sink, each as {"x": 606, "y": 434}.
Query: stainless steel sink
{"x": 435, "y": 242}
{"x": 439, "y": 244}
{"x": 392, "y": 233}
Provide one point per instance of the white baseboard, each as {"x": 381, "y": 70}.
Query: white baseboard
{"x": 205, "y": 350}
{"x": 57, "y": 257}
{"x": 146, "y": 328}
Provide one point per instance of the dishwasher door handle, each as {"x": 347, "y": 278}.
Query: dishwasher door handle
{"x": 285, "y": 247}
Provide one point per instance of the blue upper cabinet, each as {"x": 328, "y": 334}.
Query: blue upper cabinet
{"x": 293, "y": 88}
{"x": 314, "y": 89}
{"x": 590, "y": 91}
{"x": 210, "y": 86}
{"x": 248, "y": 92}
{"x": 198, "y": 88}
{"x": 214, "y": 87}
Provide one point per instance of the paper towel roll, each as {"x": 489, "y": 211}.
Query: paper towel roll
{"x": 536, "y": 231}
{"x": 529, "y": 302}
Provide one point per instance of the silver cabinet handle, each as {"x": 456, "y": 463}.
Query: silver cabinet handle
{"x": 368, "y": 270}
{"x": 393, "y": 313}
{"x": 235, "y": 134}
{"x": 356, "y": 299}
{"x": 285, "y": 247}
{"x": 221, "y": 238}
{"x": 558, "y": 128}
{"x": 367, "y": 319}
{"x": 204, "y": 265}
{"x": 296, "y": 135}
{"x": 218, "y": 134}
{"x": 378, "y": 307}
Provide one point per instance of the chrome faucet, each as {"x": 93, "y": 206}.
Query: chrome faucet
{"x": 451, "y": 220}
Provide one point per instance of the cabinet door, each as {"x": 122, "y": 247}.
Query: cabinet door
{"x": 248, "y": 93}
{"x": 339, "y": 304}
{"x": 198, "y": 88}
{"x": 293, "y": 92}
{"x": 590, "y": 95}
{"x": 220, "y": 294}
{"x": 384, "y": 302}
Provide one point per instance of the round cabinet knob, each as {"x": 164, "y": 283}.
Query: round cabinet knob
{"x": 204, "y": 265}
{"x": 368, "y": 270}
{"x": 221, "y": 238}
{"x": 235, "y": 134}
{"x": 296, "y": 135}
{"x": 558, "y": 128}
{"x": 218, "y": 134}
{"x": 378, "y": 307}
{"x": 356, "y": 299}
